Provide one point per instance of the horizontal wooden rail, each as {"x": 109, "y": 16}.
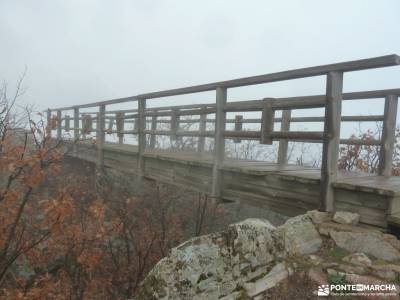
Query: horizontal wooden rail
{"x": 367, "y": 118}
{"x": 181, "y": 133}
{"x": 356, "y": 65}
{"x": 249, "y": 105}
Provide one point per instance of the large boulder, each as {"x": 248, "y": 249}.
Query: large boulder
{"x": 371, "y": 243}
{"x": 300, "y": 236}
{"x": 250, "y": 258}
{"x": 253, "y": 245}
{"x": 215, "y": 265}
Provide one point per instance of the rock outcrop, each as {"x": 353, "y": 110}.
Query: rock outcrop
{"x": 250, "y": 259}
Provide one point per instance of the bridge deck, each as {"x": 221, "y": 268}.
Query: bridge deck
{"x": 288, "y": 189}
{"x": 282, "y": 188}
{"x": 387, "y": 185}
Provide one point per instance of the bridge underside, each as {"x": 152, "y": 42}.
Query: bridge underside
{"x": 289, "y": 190}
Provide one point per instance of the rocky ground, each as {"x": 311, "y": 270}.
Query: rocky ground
{"x": 255, "y": 260}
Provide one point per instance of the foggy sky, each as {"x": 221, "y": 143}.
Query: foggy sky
{"x": 80, "y": 51}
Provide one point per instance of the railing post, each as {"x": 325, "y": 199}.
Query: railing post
{"x": 76, "y": 129}
{"x": 388, "y": 136}
{"x": 58, "y": 125}
{"x": 141, "y": 137}
{"x": 49, "y": 125}
{"x": 238, "y": 127}
{"x": 87, "y": 125}
{"x": 283, "y": 144}
{"x": 67, "y": 126}
{"x": 76, "y": 123}
{"x": 174, "y": 126}
{"x": 202, "y": 129}
{"x": 153, "y": 128}
{"x": 110, "y": 125}
{"x": 178, "y": 138}
{"x": 120, "y": 121}
{"x": 331, "y": 142}
{"x": 136, "y": 123}
{"x": 267, "y": 122}
{"x": 219, "y": 142}
{"x": 100, "y": 126}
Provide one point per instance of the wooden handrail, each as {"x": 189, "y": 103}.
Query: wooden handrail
{"x": 329, "y": 137}
{"x": 356, "y": 65}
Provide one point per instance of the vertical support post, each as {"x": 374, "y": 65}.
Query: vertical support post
{"x": 76, "y": 123}
{"x": 238, "y": 127}
{"x": 120, "y": 121}
{"x": 174, "y": 126}
{"x": 110, "y": 126}
{"x": 283, "y": 144}
{"x": 58, "y": 125}
{"x": 49, "y": 125}
{"x": 219, "y": 142}
{"x": 136, "y": 123}
{"x": 388, "y": 136}
{"x": 100, "y": 126}
{"x": 141, "y": 137}
{"x": 178, "y": 138}
{"x": 202, "y": 129}
{"x": 86, "y": 125}
{"x": 83, "y": 129}
{"x": 333, "y": 112}
{"x": 76, "y": 129}
{"x": 67, "y": 126}
{"x": 153, "y": 135}
{"x": 267, "y": 122}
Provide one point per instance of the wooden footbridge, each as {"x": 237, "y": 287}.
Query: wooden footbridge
{"x": 282, "y": 187}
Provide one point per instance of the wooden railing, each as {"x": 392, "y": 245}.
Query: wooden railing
{"x": 145, "y": 120}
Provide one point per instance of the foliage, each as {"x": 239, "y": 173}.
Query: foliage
{"x": 365, "y": 158}
{"x": 337, "y": 279}
{"x": 59, "y": 240}
{"x": 338, "y": 253}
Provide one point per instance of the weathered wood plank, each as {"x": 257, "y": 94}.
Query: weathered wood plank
{"x": 153, "y": 137}
{"x": 100, "y": 138}
{"x": 141, "y": 138}
{"x": 388, "y": 136}
{"x": 67, "y": 126}
{"x": 219, "y": 141}
{"x": 202, "y": 129}
{"x": 267, "y": 123}
{"x": 333, "y": 109}
{"x": 285, "y": 189}
{"x": 59, "y": 124}
{"x": 371, "y": 63}
{"x": 120, "y": 120}
{"x": 283, "y": 144}
{"x": 362, "y": 199}
{"x": 49, "y": 126}
{"x": 367, "y": 215}
{"x": 87, "y": 124}
{"x": 238, "y": 127}
{"x": 76, "y": 129}
{"x": 174, "y": 125}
